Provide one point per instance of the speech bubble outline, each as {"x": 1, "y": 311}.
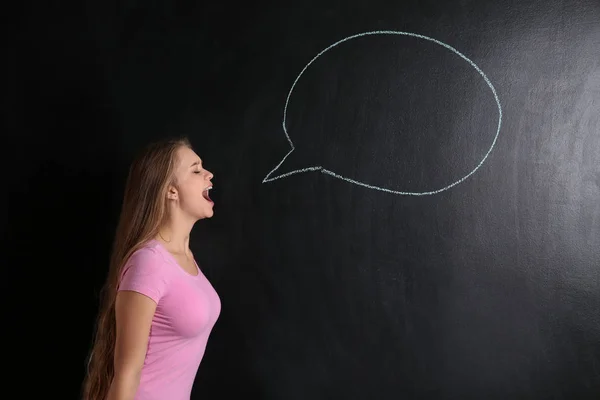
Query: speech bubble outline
{"x": 335, "y": 175}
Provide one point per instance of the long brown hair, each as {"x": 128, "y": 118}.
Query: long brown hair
{"x": 142, "y": 212}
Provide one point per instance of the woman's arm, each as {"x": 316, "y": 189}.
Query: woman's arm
{"x": 134, "y": 312}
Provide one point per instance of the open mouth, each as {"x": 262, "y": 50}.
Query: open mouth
{"x": 206, "y": 194}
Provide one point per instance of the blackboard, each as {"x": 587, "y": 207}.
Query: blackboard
{"x": 437, "y": 235}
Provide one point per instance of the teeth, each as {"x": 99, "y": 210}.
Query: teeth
{"x": 207, "y": 190}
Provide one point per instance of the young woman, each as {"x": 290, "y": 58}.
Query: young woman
{"x": 158, "y": 308}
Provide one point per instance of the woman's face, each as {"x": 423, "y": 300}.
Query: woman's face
{"x": 192, "y": 186}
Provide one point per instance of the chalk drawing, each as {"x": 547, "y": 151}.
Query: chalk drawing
{"x": 268, "y": 178}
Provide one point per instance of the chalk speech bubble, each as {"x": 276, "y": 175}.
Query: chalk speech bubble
{"x": 268, "y": 177}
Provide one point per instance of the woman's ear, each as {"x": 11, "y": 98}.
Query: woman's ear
{"x": 172, "y": 193}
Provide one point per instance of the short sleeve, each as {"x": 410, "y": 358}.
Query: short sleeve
{"x": 145, "y": 273}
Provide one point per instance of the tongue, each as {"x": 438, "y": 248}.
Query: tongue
{"x": 206, "y": 195}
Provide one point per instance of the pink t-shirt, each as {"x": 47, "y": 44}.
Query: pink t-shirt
{"x": 187, "y": 309}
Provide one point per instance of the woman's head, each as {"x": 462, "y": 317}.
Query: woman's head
{"x": 166, "y": 180}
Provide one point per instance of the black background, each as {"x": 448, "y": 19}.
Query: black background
{"x": 487, "y": 290}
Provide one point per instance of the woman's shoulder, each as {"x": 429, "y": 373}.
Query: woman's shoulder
{"x": 146, "y": 271}
{"x": 148, "y": 255}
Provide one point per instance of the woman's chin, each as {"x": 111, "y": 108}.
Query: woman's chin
{"x": 209, "y": 212}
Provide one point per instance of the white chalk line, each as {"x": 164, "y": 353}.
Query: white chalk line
{"x": 335, "y": 175}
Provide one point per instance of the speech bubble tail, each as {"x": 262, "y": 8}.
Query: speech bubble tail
{"x": 271, "y": 177}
